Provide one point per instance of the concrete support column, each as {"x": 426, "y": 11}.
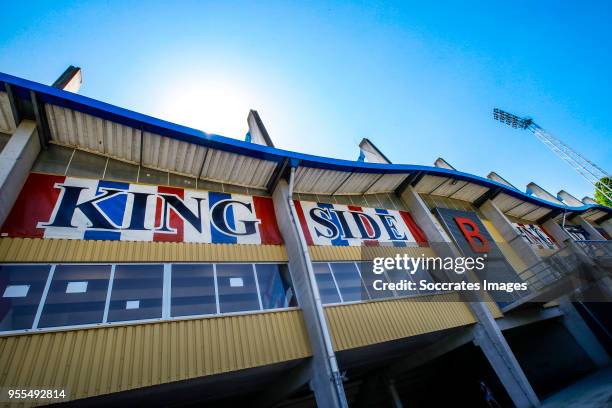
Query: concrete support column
{"x": 594, "y": 235}
{"x": 509, "y": 233}
{"x": 16, "y": 160}
{"x": 557, "y": 232}
{"x": 607, "y": 226}
{"x": 325, "y": 380}
{"x": 577, "y": 327}
{"x": 436, "y": 236}
{"x": 487, "y": 333}
{"x": 497, "y": 351}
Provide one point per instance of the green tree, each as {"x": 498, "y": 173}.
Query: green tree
{"x": 604, "y": 184}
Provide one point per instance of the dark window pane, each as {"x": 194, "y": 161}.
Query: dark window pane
{"x": 136, "y": 293}
{"x": 84, "y": 164}
{"x": 54, "y": 159}
{"x": 3, "y": 140}
{"x": 275, "y": 286}
{"x": 327, "y": 287}
{"x": 77, "y": 295}
{"x": 209, "y": 185}
{"x": 349, "y": 282}
{"x": 193, "y": 290}
{"x": 121, "y": 171}
{"x": 182, "y": 181}
{"x": 237, "y": 291}
{"x": 230, "y": 188}
{"x": 151, "y": 176}
{"x": 369, "y": 279}
{"x": 21, "y": 288}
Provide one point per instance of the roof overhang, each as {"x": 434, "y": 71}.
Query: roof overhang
{"x": 88, "y": 124}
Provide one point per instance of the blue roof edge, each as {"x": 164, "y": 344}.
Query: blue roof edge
{"x": 151, "y": 124}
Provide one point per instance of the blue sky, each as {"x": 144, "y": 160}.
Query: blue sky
{"x": 420, "y": 80}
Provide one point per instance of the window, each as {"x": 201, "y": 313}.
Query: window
{"x": 182, "y": 181}
{"x": 326, "y": 284}
{"x": 349, "y": 282}
{"x": 237, "y": 288}
{"x": 136, "y": 293}
{"x": 49, "y": 297}
{"x": 193, "y": 290}
{"x": 369, "y": 277}
{"x": 54, "y": 159}
{"x": 275, "y": 286}
{"x": 84, "y": 164}
{"x": 77, "y": 295}
{"x": 21, "y": 288}
{"x": 151, "y": 176}
{"x": 121, "y": 171}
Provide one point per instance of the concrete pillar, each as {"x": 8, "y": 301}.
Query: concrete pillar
{"x": 325, "y": 379}
{"x": 509, "y": 233}
{"x": 438, "y": 239}
{"x": 594, "y": 235}
{"x": 557, "y": 232}
{"x": 607, "y": 226}
{"x": 16, "y": 160}
{"x": 258, "y": 131}
{"x": 372, "y": 153}
{"x": 534, "y": 189}
{"x": 497, "y": 351}
{"x": 487, "y": 333}
{"x": 577, "y": 327}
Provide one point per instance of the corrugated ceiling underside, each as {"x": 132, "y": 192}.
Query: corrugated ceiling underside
{"x": 7, "y": 123}
{"x": 72, "y": 128}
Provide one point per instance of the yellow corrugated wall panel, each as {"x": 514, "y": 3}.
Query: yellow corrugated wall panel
{"x": 104, "y": 360}
{"x": 68, "y": 250}
{"x": 357, "y": 253}
{"x": 362, "y": 324}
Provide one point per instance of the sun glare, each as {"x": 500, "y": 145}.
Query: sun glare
{"x": 214, "y": 106}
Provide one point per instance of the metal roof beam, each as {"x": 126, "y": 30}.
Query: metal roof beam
{"x": 13, "y": 102}
{"x": 552, "y": 214}
{"x": 408, "y": 181}
{"x": 490, "y": 194}
{"x": 258, "y": 131}
{"x": 372, "y": 153}
{"x": 279, "y": 172}
{"x": 443, "y": 164}
{"x": 70, "y": 80}
{"x": 343, "y": 183}
{"x": 374, "y": 182}
{"x": 42, "y": 125}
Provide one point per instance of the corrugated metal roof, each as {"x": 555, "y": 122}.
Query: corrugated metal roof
{"x": 318, "y": 181}
{"x": 115, "y": 131}
{"x": 237, "y": 169}
{"x": 470, "y": 192}
{"x": 387, "y": 183}
{"x": 429, "y": 183}
{"x": 7, "y": 122}
{"x": 362, "y": 324}
{"x": 111, "y": 359}
{"x": 172, "y": 155}
{"x": 72, "y": 128}
{"x": 68, "y": 250}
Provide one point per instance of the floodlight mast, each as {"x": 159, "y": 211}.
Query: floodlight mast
{"x": 586, "y": 168}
